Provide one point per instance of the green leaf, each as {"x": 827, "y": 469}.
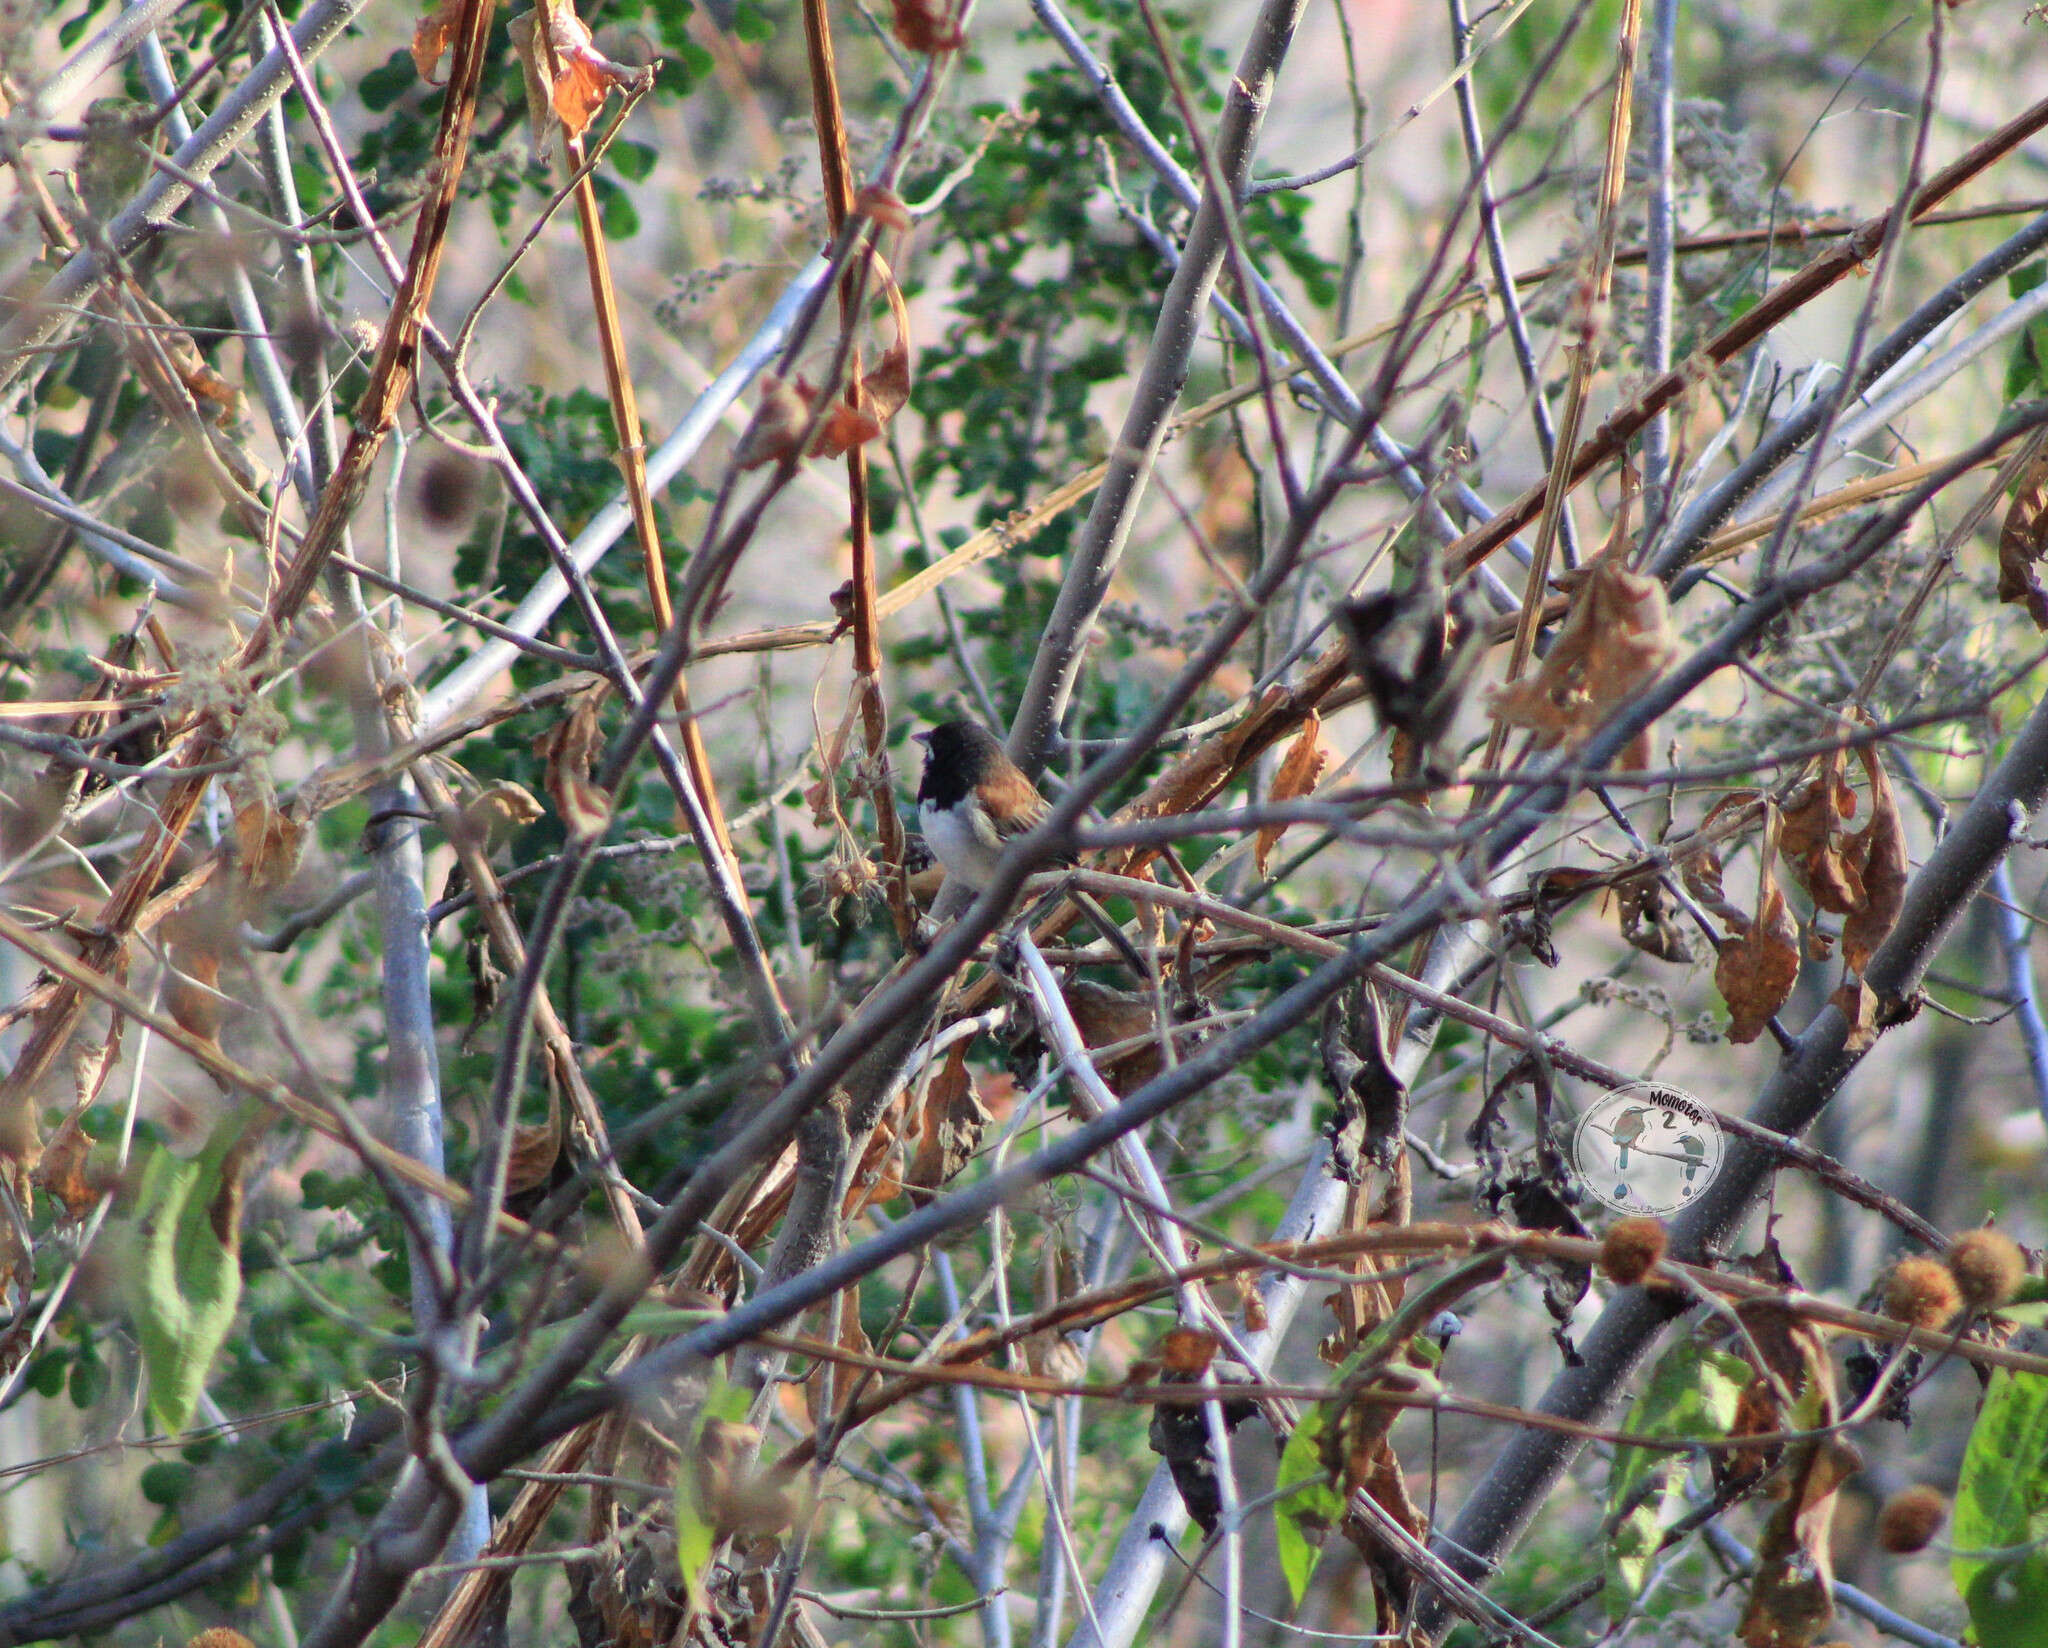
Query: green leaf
{"x": 186, "y": 1278}
{"x": 2001, "y": 1514}
{"x": 696, "y": 1537}
{"x": 750, "y": 25}
{"x": 1308, "y": 1513}
{"x": 1691, "y": 1397}
{"x": 633, "y": 161}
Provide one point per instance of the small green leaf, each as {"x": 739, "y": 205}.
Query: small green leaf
{"x": 633, "y": 161}
{"x": 696, "y": 1537}
{"x": 186, "y": 1278}
{"x": 2001, "y": 1513}
{"x": 1308, "y": 1511}
{"x": 1691, "y": 1397}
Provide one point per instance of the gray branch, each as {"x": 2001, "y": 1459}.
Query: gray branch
{"x": 1099, "y": 545}
{"x": 1501, "y": 1505}
{"x": 165, "y": 192}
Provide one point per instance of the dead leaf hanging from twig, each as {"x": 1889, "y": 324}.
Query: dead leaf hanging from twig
{"x": 1759, "y": 963}
{"x": 569, "y": 748}
{"x": 953, "y": 1120}
{"x": 1615, "y": 640}
{"x": 1306, "y": 759}
{"x": 2024, "y": 540}
{"x": 1879, "y": 849}
{"x": 567, "y": 77}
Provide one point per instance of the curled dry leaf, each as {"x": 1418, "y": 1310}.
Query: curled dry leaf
{"x": 192, "y": 988}
{"x": 270, "y": 843}
{"x": 926, "y": 26}
{"x": 1614, "y": 641}
{"x": 435, "y": 34}
{"x": 567, "y": 77}
{"x": 1759, "y": 964}
{"x": 498, "y": 811}
{"x": 2024, "y": 539}
{"x": 67, "y": 1173}
{"x": 785, "y": 408}
{"x": 1879, "y": 849}
{"x": 1812, "y": 842}
{"x": 953, "y": 1120}
{"x": 1306, "y": 758}
{"x": 827, "y": 1384}
{"x": 1650, "y": 920}
{"x": 1185, "y": 1353}
{"x": 569, "y": 748}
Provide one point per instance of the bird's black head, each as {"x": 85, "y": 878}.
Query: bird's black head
{"x": 958, "y": 755}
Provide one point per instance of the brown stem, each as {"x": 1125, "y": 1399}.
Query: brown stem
{"x": 867, "y": 648}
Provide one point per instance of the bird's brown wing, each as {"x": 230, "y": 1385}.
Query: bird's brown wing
{"x": 1012, "y": 804}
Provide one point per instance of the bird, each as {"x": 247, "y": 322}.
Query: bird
{"x": 972, "y": 801}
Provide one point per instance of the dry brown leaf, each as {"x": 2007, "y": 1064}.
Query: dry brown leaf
{"x": 1791, "y": 1598}
{"x": 192, "y": 988}
{"x": 1106, "y": 1017}
{"x": 926, "y": 26}
{"x": 1615, "y": 639}
{"x": 1858, "y": 1004}
{"x": 65, "y": 1171}
{"x": 953, "y": 1120}
{"x": 827, "y": 1384}
{"x": 1650, "y": 920}
{"x": 435, "y": 34}
{"x": 843, "y": 427}
{"x": 1759, "y": 964}
{"x": 1879, "y": 849}
{"x": 1185, "y": 1353}
{"x": 1813, "y": 844}
{"x": 535, "y": 1148}
{"x": 567, "y": 77}
{"x": 780, "y": 416}
{"x": 2024, "y": 539}
{"x": 270, "y": 843}
{"x": 569, "y": 748}
{"x": 1303, "y": 766}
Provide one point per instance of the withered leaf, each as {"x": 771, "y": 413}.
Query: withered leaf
{"x": 192, "y": 988}
{"x": 2024, "y": 539}
{"x": 827, "y": 1384}
{"x": 536, "y": 1146}
{"x": 1185, "y": 1353}
{"x": 926, "y": 26}
{"x": 435, "y": 34}
{"x": 1879, "y": 849}
{"x": 1650, "y": 920}
{"x": 1759, "y": 964}
{"x": 569, "y": 748}
{"x": 780, "y": 416}
{"x": 1812, "y": 842}
{"x": 65, "y": 1171}
{"x": 1791, "y": 1598}
{"x": 1415, "y": 649}
{"x": 1858, "y": 1004}
{"x": 953, "y": 1121}
{"x": 270, "y": 842}
{"x": 567, "y": 77}
{"x": 1306, "y": 758}
{"x": 1615, "y": 639}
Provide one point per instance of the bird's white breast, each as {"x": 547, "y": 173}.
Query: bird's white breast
{"x": 968, "y": 856}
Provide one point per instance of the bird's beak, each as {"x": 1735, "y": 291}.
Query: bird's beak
{"x": 920, "y": 738}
